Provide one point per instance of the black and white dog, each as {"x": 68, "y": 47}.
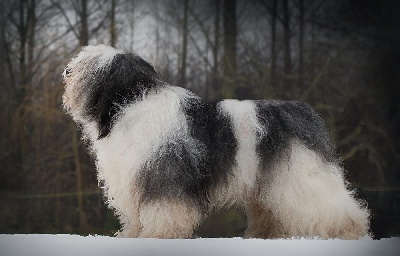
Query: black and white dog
{"x": 166, "y": 158}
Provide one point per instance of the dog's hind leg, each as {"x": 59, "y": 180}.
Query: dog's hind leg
{"x": 168, "y": 219}
{"x": 308, "y": 198}
{"x": 261, "y": 223}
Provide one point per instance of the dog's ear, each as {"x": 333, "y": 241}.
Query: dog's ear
{"x": 125, "y": 80}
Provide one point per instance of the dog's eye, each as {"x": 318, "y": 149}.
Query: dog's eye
{"x": 67, "y": 72}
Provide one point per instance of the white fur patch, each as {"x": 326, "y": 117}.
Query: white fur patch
{"x": 138, "y": 132}
{"x": 245, "y": 127}
{"x": 309, "y": 198}
{"x": 169, "y": 219}
{"x": 104, "y": 53}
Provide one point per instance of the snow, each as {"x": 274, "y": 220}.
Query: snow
{"x": 36, "y": 244}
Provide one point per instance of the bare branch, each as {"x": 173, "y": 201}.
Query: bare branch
{"x": 64, "y": 14}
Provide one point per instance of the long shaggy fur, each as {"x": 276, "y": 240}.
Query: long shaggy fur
{"x": 166, "y": 158}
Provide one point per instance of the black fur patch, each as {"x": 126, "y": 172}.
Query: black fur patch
{"x": 288, "y": 120}
{"x": 186, "y": 170}
{"x": 223, "y": 146}
{"x": 125, "y": 80}
{"x": 214, "y": 128}
{"x": 175, "y": 171}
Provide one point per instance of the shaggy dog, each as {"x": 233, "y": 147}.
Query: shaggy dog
{"x": 166, "y": 158}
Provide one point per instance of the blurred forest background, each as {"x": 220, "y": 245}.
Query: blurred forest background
{"x": 342, "y": 57}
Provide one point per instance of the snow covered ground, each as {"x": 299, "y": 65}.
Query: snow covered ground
{"x": 43, "y": 245}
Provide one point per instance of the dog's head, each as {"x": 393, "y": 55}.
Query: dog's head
{"x": 100, "y": 80}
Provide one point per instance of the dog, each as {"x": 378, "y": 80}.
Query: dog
{"x": 166, "y": 159}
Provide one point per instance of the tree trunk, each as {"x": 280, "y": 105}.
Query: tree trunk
{"x": 22, "y": 50}
{"x": 132, "y": 24}
{"x": 83, "y": 41}
{"x": 230, "y": 33}
{"x": 287, "y": 65}
{"x": 184, "y": 43}
{"x": 313, "y": 54}
{"x": 301, "y": 44}
{"x": 273, "y": 42}
{"x": 20, "y": 91}
{"x": 215, "y": 48}
{"x": 113, "y": 34}
{"x": 10, "y": 69}
{"x": 31, "y": 36}
{"x": 84, "y": 32}
{"x": 79, "y": 179}
{"x": 158, "y": 24}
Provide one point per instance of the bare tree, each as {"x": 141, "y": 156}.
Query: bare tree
{"x": 274, "y": 14}
{"x": 185, "y": 32}
{"x": 113, "y": 29}
{"x": 230, "y": 48}
{"x": 84, "y": 30}
{"x": 22, "y": 27}
{"x": 132, "y": 23}
{"x": 31, "y": 35}
{"x": 301, "y": 43}
{"x": 92, "y": 18}
{"x": 287, "y": 63}
{"x": 205, "y": 37}
{"x": 215, "y": 47}
{"x": 272, "y": 11}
